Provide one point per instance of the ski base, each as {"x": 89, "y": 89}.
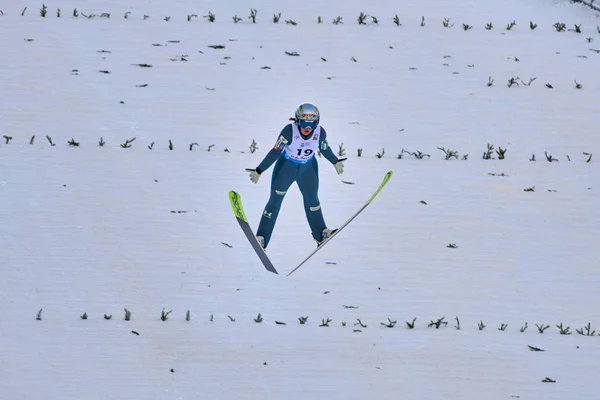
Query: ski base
{"x": 386, "y": 178}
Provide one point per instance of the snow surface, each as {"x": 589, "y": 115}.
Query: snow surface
{"x": 95, "y": 230}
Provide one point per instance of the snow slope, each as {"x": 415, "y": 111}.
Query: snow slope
{"x": 99, "y": 229}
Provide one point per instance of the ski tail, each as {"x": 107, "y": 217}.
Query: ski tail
{"x": 386, "y": 178}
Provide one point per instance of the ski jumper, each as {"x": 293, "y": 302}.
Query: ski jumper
{"x": 295, "y": 161}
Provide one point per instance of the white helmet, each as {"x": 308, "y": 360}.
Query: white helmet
{"x": 307, "y": 115}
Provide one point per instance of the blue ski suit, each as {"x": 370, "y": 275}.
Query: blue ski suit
{"x": 288, "y": 170}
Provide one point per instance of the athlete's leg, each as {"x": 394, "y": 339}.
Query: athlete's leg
{"x": 284, "y": 174}
{"x": 308, "y": 183}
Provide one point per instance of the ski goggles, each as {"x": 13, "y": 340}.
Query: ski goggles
{"x": 308, "y": 124}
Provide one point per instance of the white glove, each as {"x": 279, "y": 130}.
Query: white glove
{"x": 254, "y": 174}
{"x": 339, "y": 166}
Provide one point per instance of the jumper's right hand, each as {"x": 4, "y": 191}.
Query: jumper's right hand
{"x": 254, "y": 174}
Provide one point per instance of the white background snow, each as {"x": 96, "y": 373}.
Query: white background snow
{"x": 95, "y": 230}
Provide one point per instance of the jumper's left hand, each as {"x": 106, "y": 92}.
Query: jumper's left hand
{"x": 339, "y": 166}
{"x": 254, "y": 174}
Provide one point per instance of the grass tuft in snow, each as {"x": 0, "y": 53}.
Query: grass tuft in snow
{"x": 253, "y": 146}
{"x": 457, "y": 326}
{"x": 127, "y": 315}
{"x": 338, "y": 20}
{"x": 523, "y": 328}
{"x": 489, "y": 26}
{"x": 231, "y": 318}
{"x": 188, "y": 315}
{"x": 164, "y": 315}
{"x": 84, "y": 316}
{"x": 481, "y": 325}
{"x": 437, "y": 323}
{"x": 107, "y": 317}
{"x": 560, "y": 27}
{"x": 127, "y": 143}
{"x": 548, "y": 380}
{"x": 411, "y": 325}
{"x": 253, "y": 14}
{"x": 446, "y": 23}
{"x": 39, "y": 315}
{"x": 487, "y": 155}
{"x": 362, "y": 17}
{"x": 73, "y": 143}
{"x": 503, "y": 327}
{"x": 211, "y": 17}
{"x": 43, "y": 11}
{"x": 276, "y": 18}
{"x": 389, "y": 324}
{"x": 541, "y": 328}
{"x": 549, "y": 157}
{"x": 360, "y": 323}
{"x": 7, "y": 138}
{"x": 585, "y": 331}
{"x": 280, "y": 323}
{"x": 380, "y": 155}
{"x": 50, "y": 140}
{"x": 533, "y": 348}
{"x": 563, "y": 330}
{"x": 303, "y": 320}
{"x": 419, "y": 155}
{"x": 511, "y": 25}
{"x": 500, "y": 152}
{"x": 258, "y": 319}
{"x": 32, "y": 139}
{"x": 532, "y": 26}
{"x": 192, "y": 145}
{"x": 325, "y": 322}
{"x": 397, "y": 20}
{"x": 449, "y": 153}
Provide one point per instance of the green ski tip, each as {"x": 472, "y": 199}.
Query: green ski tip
{"x": 236, "y": 204}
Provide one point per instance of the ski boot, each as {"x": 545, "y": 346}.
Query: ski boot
{"x": 325, "y": 233}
